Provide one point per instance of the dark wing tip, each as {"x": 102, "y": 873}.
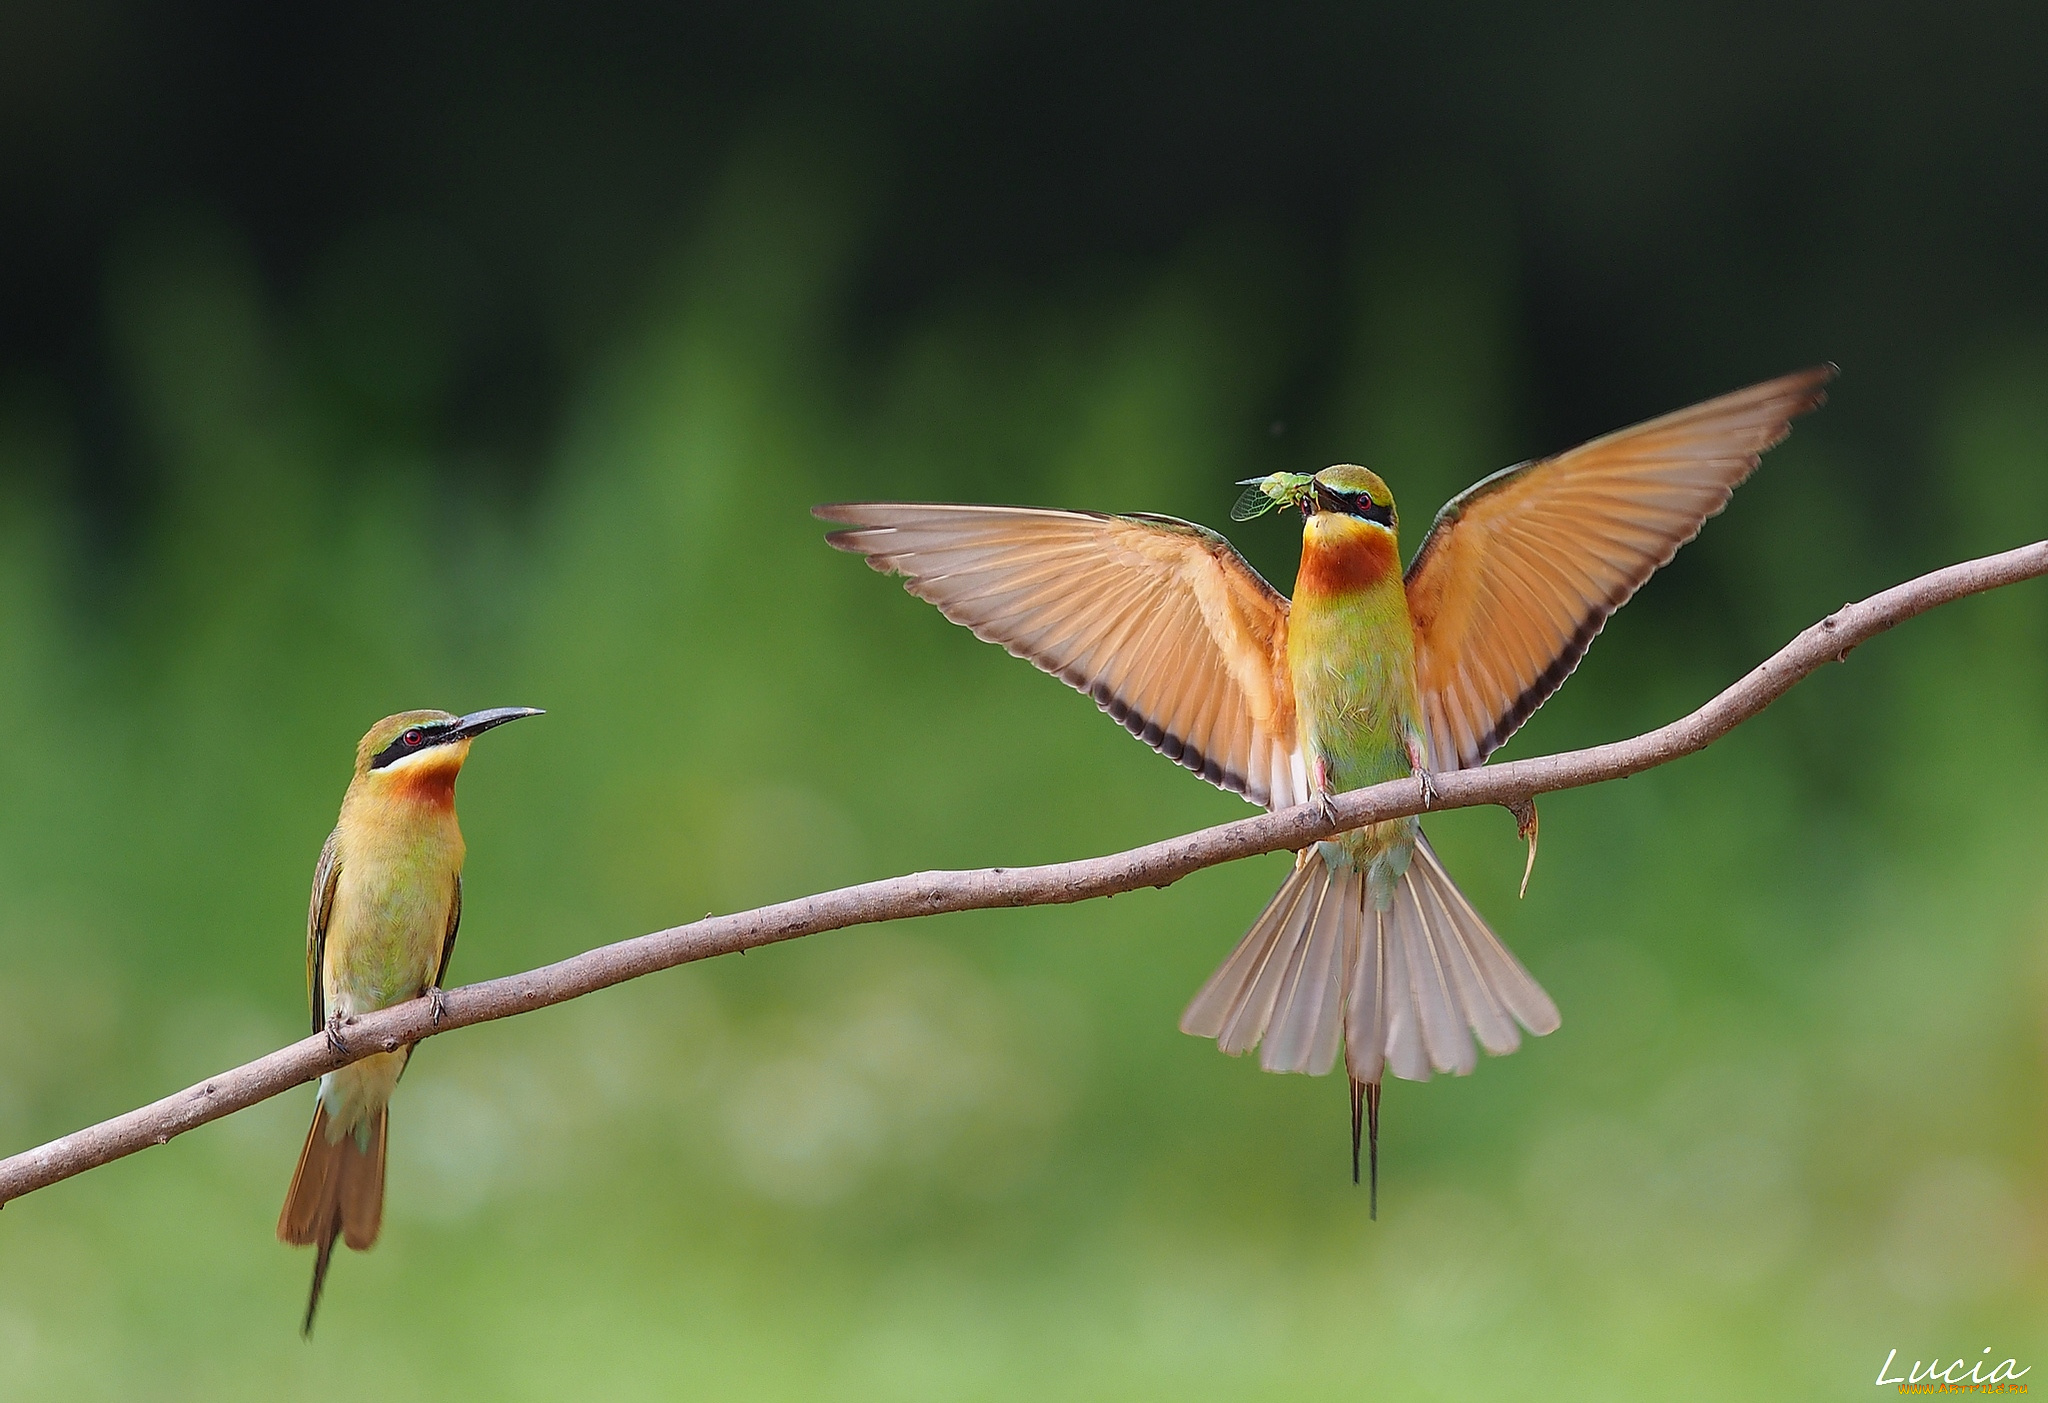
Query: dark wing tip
{"x": 1820, "y": 375}
{"x": 1810, "y": 386}
{"x": 1805, "y": 390}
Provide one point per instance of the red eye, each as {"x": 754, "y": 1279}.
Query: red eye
{"x": 412, "y": 737}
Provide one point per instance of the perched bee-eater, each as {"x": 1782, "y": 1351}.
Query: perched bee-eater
{"x": 1366, "y": 675}
{"x": 387, "y": 899}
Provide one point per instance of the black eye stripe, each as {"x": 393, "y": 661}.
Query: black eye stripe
{"x": 1358, "y": 504}
{"x": 412, "y": 741}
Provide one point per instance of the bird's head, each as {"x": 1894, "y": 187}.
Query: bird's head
{"x": 425, "y": 748}
{"x": 1344, "y": 489}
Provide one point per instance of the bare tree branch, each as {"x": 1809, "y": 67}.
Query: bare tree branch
{"x": 929, "y": 893}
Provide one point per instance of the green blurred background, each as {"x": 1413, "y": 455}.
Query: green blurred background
{"x": 353, "y": 361}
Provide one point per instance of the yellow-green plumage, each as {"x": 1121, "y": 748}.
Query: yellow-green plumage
{"x": 1368, "y": 946}
{"x": 1351, "y": 655}
{"x": 385, "y": 909}
{"x": 399, "y": 858}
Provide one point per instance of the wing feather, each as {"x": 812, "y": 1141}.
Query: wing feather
{"x": 326, "y": 873}
{"x": 1160, "y": 621}
{"x": 1520, "y": 571}
{"x": 448, "y": 940}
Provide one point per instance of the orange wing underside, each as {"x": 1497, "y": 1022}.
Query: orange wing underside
{"x": 1162, "y": 623}
{"x": 1520, "y": 572}
{"x": 1167, "y": 628}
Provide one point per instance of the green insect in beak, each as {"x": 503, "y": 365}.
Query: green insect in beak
{"x": 1263, "y": 494}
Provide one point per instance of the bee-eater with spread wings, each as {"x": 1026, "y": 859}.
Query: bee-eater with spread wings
{"x": 387, "y": 899}
{"x": 1366, "y": 675}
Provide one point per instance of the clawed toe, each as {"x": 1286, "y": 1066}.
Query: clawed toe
{"x": 334, "y": 1043}
{"x": 1428, "y": 789}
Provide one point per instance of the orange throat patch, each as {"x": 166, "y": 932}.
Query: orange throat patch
{"x": 1342, "y": 555}
{"x": 428, "y": 780}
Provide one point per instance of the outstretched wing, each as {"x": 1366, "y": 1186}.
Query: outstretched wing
{"x": 1160, "y": 621}
{"x": 325, "y": 874}
{"x": 1520, "y": 571}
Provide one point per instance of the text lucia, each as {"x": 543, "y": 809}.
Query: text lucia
{"x": 1933, "y": 1378}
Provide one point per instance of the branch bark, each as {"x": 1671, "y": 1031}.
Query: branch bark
{"x": 930, "y": 893}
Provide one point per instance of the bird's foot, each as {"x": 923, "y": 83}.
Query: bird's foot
{"x": 1321, "y": 790}
{"x": 1428, "y": 787}
{"x": 334, "y": 1043}
{"x": 437, "y": 1003}
{"x": 1418, "y": 764}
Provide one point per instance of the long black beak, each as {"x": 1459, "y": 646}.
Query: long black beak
{"x": 477, "y": 722}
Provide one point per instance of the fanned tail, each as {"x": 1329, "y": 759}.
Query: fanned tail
{"x": 1283, "y": 986}
{"x": 1432, "y": 976}
{"x": 337, "y": 1191}
{"x": 1403, "y": 990}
